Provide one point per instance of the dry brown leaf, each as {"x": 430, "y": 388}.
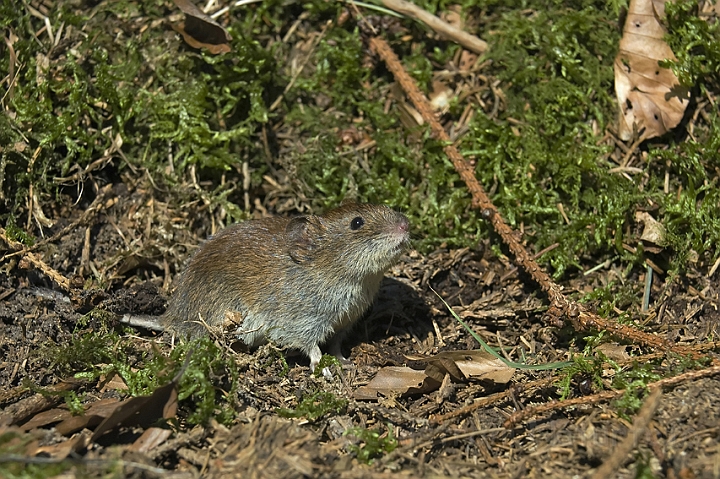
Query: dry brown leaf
{"x": 651, "y": 99}
{"x": 200, "y": 30}
{"x": 93, "y": 416}
{"x": 615, "y": 352}
{"x": 62, "y": 450}
{"x": 150, "y": 439}
{"x": 466, "y": 364}
{"x": 115, "y": 383}
{"x": 654, "y": 231}
{"x": 396, "y": 380}
{"x": 47, "y": 417}
{"x": 141, "y": 410}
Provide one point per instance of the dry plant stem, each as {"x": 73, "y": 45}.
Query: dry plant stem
{"x": 559, "y": 305}
{"x": 493, "y": 398}
{"x": 471, "y": 42}
{"x": 545, "y": 382}
{"x": 520, "y": 416}
{"x": 26, "y": 252}
{"x": 23, "y": 409}
{"x": 640, "y": 423}
{"x": 33, "y": 259}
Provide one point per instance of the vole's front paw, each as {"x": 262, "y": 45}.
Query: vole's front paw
{"x": 316, "y": 355}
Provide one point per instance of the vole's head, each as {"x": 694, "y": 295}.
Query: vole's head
{"x": 354, "y": 239}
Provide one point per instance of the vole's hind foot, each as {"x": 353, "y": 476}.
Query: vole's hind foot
{"x": 334, "y": 349}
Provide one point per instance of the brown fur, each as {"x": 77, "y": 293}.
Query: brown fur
{"x": 295, "y": 281}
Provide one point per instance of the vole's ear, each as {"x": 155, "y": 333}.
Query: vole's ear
{"x": 301, "y": 234}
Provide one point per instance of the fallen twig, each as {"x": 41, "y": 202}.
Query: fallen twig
{"x": 520, "y": 416}
{"x": 560, "y": 306}
{"x": 471, "y": 42}
{"x": 640, "y": 423}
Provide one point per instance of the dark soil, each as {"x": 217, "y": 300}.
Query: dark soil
{"x": 407, "y": 319}
{"x": 123, "y": 239}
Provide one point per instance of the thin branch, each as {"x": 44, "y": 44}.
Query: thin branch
{"x": 471, "y": 42}
{"x": 610, "y": 467}
{"x": 560, "y": 306}
{"x": 520, "y": 416}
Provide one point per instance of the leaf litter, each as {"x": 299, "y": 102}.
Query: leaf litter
{"x": 407, "y": 322}
{"x": 651, "y": 99}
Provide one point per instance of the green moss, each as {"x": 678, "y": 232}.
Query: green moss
{"x": 582, "y": 368}
{"x": 690, "y": 210}
{"x": 84, "y": 353}
{"x": 681, "y": 364}
{"x": 153, "y": 94}
{"x": 207, "y": 387}
{"x": 314, "y": 406}
{"x": 612, "y": 297}
{"x": 556, "y": 66}
{"x": 15, "y": 233}
{"x": 210, "y": 383}
{"x": 634, "y": 381}
{"x": 374, "y": 444}
{"x": 695, "y": 42}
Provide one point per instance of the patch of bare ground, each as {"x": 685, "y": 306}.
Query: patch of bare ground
{"x": 118, "y": 249}
{"x": 407, "y": 319}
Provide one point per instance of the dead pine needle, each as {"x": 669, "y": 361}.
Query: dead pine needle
{"x": 640, "y": 424}
{"x": 529, "y": 412}
{"x": 471, "y": 42}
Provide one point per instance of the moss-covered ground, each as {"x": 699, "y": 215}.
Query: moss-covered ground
{"x": 105, "y": 100}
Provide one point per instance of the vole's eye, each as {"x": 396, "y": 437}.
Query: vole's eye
{"x": 357, "y": 223}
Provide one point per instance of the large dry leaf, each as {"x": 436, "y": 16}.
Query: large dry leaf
{"x": 466, "y": 364}
{"x": 200, "y": 30}
{"x": 61, "y": 450}
{"x": 396, "y": 380}
{"x": 651, "y": 99}
{"x": 141, "y": 410}
{"x": 45, "y": 418}
{"x": 94, "y": 415}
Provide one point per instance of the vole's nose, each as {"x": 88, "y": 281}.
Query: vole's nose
{"x": 403, "y": 226}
